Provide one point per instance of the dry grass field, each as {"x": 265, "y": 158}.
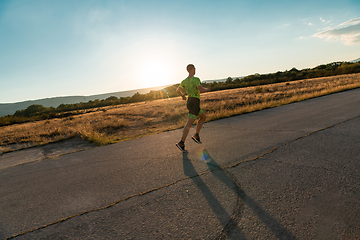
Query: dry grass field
{"x": 123, "y": 122}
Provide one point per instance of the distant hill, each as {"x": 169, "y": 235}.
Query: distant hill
{"x": 356, "y": 60}
{"x": 11, "y": 108}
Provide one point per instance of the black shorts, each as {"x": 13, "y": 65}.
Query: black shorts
{"x": 193, "y": 104}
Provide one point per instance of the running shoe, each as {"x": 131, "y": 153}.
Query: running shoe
{"x": 181, "y": 146}
{"x": 196, "y": 138}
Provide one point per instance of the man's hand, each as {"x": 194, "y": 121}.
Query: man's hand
{"x": 202, "y": 89}
{"x": 180, "y": 92}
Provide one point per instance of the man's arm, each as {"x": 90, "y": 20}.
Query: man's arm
{"x": 202, "y": 89}
{"x": 179, "y": 91}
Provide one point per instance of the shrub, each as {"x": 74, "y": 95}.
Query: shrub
{"x": 258, "y": 90}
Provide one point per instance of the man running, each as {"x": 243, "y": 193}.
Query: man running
{"x": 192, "y": 86}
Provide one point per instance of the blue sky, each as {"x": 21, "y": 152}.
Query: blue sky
{"x": 73, "y": 47}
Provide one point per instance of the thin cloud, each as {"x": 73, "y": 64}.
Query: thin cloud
{"x": 347, "y": 32}
{"x": 351, "y": 22}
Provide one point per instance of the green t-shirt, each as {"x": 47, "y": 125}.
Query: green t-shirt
{"x": 190, "y": 85}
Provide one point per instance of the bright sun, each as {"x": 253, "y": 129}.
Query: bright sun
{"x": 154, "y": 62}
{"x": 155, "y": 73}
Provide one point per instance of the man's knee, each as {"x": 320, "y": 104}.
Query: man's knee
{"x": 189, "y": 123}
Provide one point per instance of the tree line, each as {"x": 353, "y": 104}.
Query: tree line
{"x": 325, "y": 70}
{"x": 39, "y": 112}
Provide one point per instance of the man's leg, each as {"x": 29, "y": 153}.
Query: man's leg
{"x": 187, "y": 127}
{"x": 201, "y": 121}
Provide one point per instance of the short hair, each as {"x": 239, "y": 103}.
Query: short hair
{"x": 190, "y": 67}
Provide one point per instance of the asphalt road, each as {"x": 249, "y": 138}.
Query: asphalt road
{"x": 290, "y": 172}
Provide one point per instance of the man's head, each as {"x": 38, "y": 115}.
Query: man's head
{"x": 190, "y": 68}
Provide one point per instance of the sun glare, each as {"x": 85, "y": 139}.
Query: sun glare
{"x": 155, "y": 73}
{"x": 154, "y": 62}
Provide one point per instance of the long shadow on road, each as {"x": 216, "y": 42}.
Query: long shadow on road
{"x": 232, "y": 226}
{"x": 216, "y": 206}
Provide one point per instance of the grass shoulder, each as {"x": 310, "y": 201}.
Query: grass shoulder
{"x": 111, "y": 124}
